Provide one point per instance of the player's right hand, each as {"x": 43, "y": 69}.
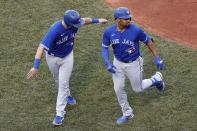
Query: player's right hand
{"x": 159, "y": 63}
{"x": 111, "y": 68}
{"x": 32, "y": 73}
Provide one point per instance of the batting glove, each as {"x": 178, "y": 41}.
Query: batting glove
{"x": 159, "y": 63}
{"x": 111, "y": 68}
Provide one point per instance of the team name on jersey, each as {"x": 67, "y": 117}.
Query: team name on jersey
{"x": 73, "y": 35}
{"x": 128, "y": 42}
{"x": 125, "y": 41}
{"x": 65, "y": 38}
{"x": 115, "y": 41}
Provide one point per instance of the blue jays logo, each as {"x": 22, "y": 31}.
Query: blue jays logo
{"x": 131, "y": 50}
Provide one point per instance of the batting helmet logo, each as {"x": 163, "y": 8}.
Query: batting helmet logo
{"x": 73, "y": 18}
{"x": 123, "y": 13}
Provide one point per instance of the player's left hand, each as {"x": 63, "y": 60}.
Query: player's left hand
{"x": 159, "y": 63}
{"x": 103, "y": 21}
{"x": 111, "y": 68}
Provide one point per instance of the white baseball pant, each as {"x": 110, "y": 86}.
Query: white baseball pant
{"x": 61, "y": 69}
{"x": 134, "y": 72}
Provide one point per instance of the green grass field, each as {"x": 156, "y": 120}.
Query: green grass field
{"x": 30, "y": 105}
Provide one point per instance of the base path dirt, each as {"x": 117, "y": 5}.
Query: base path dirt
{"x": 172, "y": 19}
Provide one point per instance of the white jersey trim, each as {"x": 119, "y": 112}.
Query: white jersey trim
{"x": 44, "y": 46}
{"x": 104, "y": 45}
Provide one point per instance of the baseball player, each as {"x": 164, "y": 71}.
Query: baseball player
{"x": 124, "y": 36}
{"x": 58, "y": 47}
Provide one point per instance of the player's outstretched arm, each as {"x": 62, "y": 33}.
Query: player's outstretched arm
{"x": 33, "y": 71}
{"x": 94, "y": 21}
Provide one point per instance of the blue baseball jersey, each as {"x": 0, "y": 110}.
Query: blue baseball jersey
{"x": 59, "y": 41}
{"x": 125, "y": 44}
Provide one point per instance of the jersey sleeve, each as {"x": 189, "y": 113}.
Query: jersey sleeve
{"x": 106, "y": 39}
{"x": 49, "y": 38}
{"x": 144, "y": 37}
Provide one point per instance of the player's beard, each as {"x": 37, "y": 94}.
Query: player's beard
{"x": 125, "y": 25}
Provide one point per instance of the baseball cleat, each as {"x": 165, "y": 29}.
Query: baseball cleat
{"x": 124, "y": 119}
{"x": 158, "y": 81}
{"x": 58, "y": 120}
{"x": 72, "y": 103}
{"x": 71, "y": 100}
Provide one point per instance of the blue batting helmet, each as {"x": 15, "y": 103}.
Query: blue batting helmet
{"x": 73, "y": 18}
{"x": 122, "y": 13}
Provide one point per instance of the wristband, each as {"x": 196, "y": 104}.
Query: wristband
{"x": 95, "y": 20}
{"x": 157, "y": 58}
{"x": 37, "y": 63}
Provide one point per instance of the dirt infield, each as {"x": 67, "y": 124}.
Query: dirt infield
{"x": 172, "y": 19}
